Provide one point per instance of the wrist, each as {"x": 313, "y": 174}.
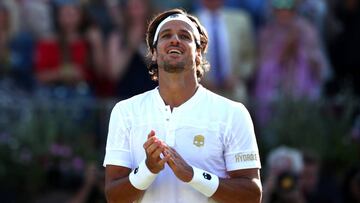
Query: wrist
{"x": 189, "y": 175}
{"x": 204, "y": 182}
{"x": 151, "y": 169}
{"x": 141, "y": 177}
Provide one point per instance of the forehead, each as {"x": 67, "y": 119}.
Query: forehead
{"x": 176, "y": 25}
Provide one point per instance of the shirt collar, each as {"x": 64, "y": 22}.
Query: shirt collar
{"x": 196, "y": 98}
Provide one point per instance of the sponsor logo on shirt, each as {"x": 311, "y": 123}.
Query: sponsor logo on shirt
{"x": 244, "y": 157}
{"x": 199, "y": 140}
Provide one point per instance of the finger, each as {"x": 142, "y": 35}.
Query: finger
{"x": 173, "y": 152}
{"x": 164, "y": 160}
{"x": 171, "y": 159}
{"x": 171, "y": 162}
{"x": 164, "y": 143}
{"x": 157, "y": 152}
{"x": 150, "y": 141}
{"x": 151, "y": 149}
{"x": 166, "y": 152}
{"x": 151, "y": 134}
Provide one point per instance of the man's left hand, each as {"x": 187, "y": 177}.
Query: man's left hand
{"x": 178, "y": 165}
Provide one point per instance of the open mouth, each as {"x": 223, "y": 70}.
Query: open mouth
{"x": 174, "y": 51}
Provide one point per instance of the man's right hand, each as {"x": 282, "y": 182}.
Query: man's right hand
{"x": 153, "y": 148}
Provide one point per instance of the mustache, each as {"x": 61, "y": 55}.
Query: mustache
{"x": 174, "y": 46}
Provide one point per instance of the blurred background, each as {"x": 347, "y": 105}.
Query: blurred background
{"x": 295, "y": 64}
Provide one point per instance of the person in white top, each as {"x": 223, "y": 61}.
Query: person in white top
{"x": 180, "y": 142}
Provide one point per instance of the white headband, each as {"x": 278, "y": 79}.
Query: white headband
{"x": 180, "y": 17}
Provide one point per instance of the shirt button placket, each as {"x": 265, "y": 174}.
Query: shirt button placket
{"x": 169, "y": 136}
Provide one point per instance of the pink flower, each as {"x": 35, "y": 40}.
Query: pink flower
{"x": 78, "y": 163}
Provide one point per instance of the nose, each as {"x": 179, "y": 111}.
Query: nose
{"x": 175, "y": 39}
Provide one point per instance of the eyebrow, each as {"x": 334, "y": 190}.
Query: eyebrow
{"x": 164, "y": 31}
{"x": 182, "y": 31}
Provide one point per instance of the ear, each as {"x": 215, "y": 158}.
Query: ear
{"x": 154, "y": 55}
{"x": 198, "y": 57}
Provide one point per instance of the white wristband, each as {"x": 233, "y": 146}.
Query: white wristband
{"x": 141, "y": 177}
{"x": 204, "y": 182}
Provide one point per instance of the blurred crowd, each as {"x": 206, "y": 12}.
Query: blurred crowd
{"x": 270, "y": 49}
{"x": 295, "y": 176}
{"x": 261, "y": 51}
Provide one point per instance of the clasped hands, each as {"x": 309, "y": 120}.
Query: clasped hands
{"x": 154, "y": 147}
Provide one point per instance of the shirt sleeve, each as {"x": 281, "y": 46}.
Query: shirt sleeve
{"x": 118, "y": 145}
{"x": 241, "y": 147}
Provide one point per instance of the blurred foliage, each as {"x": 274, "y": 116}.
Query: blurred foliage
{"x": 323, "y": 127}
{"x": 38, "y": 135}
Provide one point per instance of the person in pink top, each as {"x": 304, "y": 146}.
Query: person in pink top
{"x": 291, "y": 61}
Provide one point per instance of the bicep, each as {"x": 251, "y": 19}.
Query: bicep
{"x": 250, "y": 176}
{"x": 252, "y": 173}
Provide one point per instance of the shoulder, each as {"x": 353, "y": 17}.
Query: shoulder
{"x": 223, "y": 104}
{"x": 135, "y": 103}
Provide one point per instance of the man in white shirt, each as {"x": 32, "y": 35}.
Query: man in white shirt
{"x": 180, "y": 142}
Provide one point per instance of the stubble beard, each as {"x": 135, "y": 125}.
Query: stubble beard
{"x": 174, "y": 68}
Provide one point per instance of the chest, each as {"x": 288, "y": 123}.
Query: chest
{"x": 193, "y": 138}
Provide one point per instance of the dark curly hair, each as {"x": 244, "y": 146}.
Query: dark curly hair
{"x": 201, "y": 66}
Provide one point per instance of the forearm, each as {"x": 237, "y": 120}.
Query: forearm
{"x": 238, "y": 190}
{"x": 121, "y": 190}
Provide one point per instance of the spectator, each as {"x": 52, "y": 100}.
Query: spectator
{"x": 284, "y": 166}
{"x": 61, "y": 61}
{"x": 291, "y": 62}
{"x": 96, "y": 31}
{"x": 15, "y": 52}
{"x": 127, "y": 50}
{"x": 232, "y": 55}
{"x": 256, "y": 8}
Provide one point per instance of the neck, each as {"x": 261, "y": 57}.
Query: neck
{"x": 177, "y": 89}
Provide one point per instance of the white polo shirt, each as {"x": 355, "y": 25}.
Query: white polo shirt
{"x": 208, "y": 131}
